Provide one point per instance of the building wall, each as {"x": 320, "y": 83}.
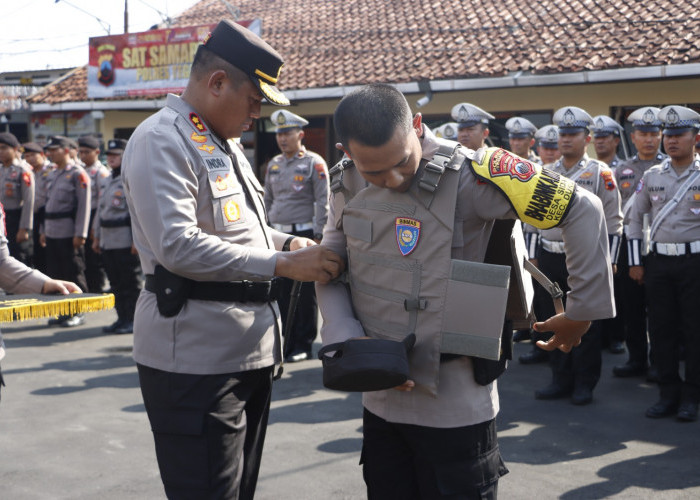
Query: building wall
{"x": 114, "y": 120}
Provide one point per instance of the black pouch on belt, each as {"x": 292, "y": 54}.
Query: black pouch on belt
{"x": 487, "y": 370}
{"x": 364, "y": 364}
{"x": 171, "y": 291}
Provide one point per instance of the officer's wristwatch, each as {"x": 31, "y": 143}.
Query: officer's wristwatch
{"x": 318, "y": 236}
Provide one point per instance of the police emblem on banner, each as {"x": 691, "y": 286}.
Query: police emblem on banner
{"x": 407, "y": 234}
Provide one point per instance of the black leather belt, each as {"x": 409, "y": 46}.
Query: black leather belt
{"x": 60, "y": 215}
{"x": 124, "y": 222}
{"x": 229, "y": 291}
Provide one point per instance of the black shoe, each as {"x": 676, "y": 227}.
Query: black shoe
{"x": 553, "y": 391}
{"x": 113, "y": 327}
{"x": 125, "y": 327}
{"x": 629, "y": 370}
{"x": 521, "y": 335}
{"x": 653, "y": 375}
{"x": 616, "y": 347}
{"x": 663, "y": 408}
{"x": 687, "y": 412}
{"x": 582, "y": 396}
{"x": 535, "y": 356}
{"x": 75, "y": 320}
{"x": 57, "y": 321}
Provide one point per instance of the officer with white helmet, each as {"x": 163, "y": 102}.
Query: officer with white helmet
{"x": 521, "y": 137}
{"x": 447, "y": 131}
{"x": 296, "y": 198}
{"x": 646, "y": 137}
{"x": 548, "y": 144}
{"x": 606, "y": 138}
{"x": 670, "y": 193}
{"x": 576, "y": 373}
{"x": 473, "y": 125}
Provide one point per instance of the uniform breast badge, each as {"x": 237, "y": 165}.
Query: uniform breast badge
{"x": 407, "y": 234}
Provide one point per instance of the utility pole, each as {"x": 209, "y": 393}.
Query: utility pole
{"x": 126, "y": 16}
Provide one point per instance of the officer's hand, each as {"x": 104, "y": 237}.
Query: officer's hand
{"x": 301, "y": 242}
{"x": 133, "y": 250}
{"x": 78, "y": 241}
{"x": 312, "y": 263}
{"x": 567, "y": 332}
{"x": 22, "y": 235}
{"x": 637, "y": 274}
{"x": 42, "y": 240}
{"x": 60, "y": 286}
{"x": 614, "y": 268}
{"x": 96, "y": 245}
{"x": 534, "y": 262}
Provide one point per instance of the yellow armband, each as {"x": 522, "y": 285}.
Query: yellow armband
{"x": 539, "y": 196}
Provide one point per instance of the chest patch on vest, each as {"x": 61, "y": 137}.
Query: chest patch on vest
{"x": 539, "y": 196}
{"x": 407, "y": 234}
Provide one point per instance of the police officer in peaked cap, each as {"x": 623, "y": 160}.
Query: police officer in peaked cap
{"x": 670, "y": 193}
{"x": 35, "y": 156}
{"x": 646, "y": 137}
{"x": 576, "y": 373}
{"x": 296, "y": 198}
{"x": 521, "y": 137}
{"x": 472, "y": 123}
{"x": 447, "y": 130}
{"x": 207, "y": 320}
{"x": 606, "y": 138}
{"x": 17, "y": 198}
{"x": 548, "y": 144}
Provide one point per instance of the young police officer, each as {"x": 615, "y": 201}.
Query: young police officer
{"x": 406, "y": 235}
{"x": 670, "y": 193}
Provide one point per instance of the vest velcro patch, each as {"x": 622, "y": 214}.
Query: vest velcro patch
{"x": 539, "y": 196}
{"x": 407, "y": 234}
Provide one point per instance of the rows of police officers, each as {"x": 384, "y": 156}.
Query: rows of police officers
{"x": 64, "y": 208}
{"x": 652, "y": 209}
{"x": 66, "y": 216}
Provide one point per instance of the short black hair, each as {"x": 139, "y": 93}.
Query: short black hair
{"x": 371, "y": 115}
{"x": 206, "y": 62}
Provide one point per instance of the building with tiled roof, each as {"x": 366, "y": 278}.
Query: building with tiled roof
{"x": 507, "y": 56}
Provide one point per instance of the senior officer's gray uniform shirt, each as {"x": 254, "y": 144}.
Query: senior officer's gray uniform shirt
{"x": 216, "y": 232}
{"x": 296, "y": 188}
{"x": 460, "y": 400}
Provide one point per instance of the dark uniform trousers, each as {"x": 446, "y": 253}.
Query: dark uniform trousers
{"x": 20, "y": 251}
{"x": 124, "y": 273}
{"x": 305, "y": 325}
{"x": 580, "y": 367}
{"x": 673, "y": 293}
{"x": 94, "y": 269}
{"x": 407, "y": 462}
{"x": 39, "y": 258}
{"x": 63, "y": 262}
{"x": 202, "y": 425}
{"x": 613, "y": 329}
{"x": 632, "y": 310}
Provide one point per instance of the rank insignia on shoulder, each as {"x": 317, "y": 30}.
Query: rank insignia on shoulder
{"x": 607, "y": 176}
{"x": 407, "y": 234}
{"x": 197, "y": 122}
{"x": 199, "y": 139}
{"x": 208, "y": 149}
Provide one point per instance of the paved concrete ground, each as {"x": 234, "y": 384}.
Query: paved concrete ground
{"x": 73, "y": 426}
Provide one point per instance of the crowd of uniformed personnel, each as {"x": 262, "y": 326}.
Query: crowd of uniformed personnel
{"x": 651, "y": 203}
{"x": 63, "y": 208}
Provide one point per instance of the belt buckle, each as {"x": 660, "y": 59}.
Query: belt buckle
{"x": 672, "y": 250}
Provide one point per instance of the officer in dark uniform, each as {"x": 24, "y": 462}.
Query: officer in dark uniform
{"x": 646, "y": 137}
{"x": 113, "y": 239}
{"x": 670, "y": 194}
{"x": 17, "y": 197}
{"x": 89, "y": 152}
{"x": 67, "y": 217}
{"x": 36, "y": 158}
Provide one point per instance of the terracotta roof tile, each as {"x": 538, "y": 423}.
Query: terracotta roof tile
{"x": 327, "y": 44}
